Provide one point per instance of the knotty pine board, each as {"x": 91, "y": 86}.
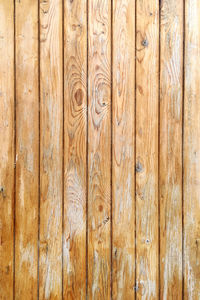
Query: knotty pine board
{"x": 99, "y": 155}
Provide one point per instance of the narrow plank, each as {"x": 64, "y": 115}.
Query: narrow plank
{"x": 123, "y": 187}
{"x": 51, "y": 136}
{"x": 171, "y": 61}
{"x": 7, "y": 147}
{"x": 192, "y": 151}
{"x": 147, "y": 65}
{"x": 75, "y": 89}
{"x": 99, "y": 149}
{"x": 27, "y": 151}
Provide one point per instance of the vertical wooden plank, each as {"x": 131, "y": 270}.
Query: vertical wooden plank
{"x": 51, "y": 124}
{"x": 192, "y": 151}
{"x": 7, "y": 147}
{"x": 171, "y": 58}
{"x": 75, "y": 80}
{"x": 27, "y": 151}
{"x": 99, "y": 149}
{"x": 123, "y": 149}
{"x": 147, "y": 65}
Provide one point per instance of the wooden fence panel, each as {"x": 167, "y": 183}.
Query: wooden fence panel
{"x": 123, "y": 150}
{"x": 75, "y": 133}
{"x": 191, "y": 152}
{"x": 171, "y": 102}
{"x": 51, "y": 150}
{"x": 99, "y": 149}
{"x": 7, "y": 148}
{"x": 99, "y": 155}
{"x": 27, "y": 149}
{"x": 147, "y": 85}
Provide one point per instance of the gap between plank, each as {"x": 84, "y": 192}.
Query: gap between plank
{"x": 183, "y": 116}
{"x": 15, "y": 133}
{"x": 39, "y": 158}
{"x": 87, "y": 185}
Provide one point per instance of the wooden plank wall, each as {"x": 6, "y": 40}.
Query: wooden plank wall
{"x": 100, "y": 149}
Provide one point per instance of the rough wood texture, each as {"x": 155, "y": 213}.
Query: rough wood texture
{"x": 75, "y": 67}
{"x": 192, "y": 151}
{"x": 171, "y": 73}
{"x": 99, "y": 149}
{"x": 147, "y": 54}
{"x": 123, "y": 149}
{"x": 27, "y": 149}
{"x": 6, "y": 148}
{"x": 99, "y": 101}
{"x": 51, "y": 130}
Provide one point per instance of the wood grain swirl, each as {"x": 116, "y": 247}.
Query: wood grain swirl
{"x": 171, "y": 70}
{"x": 123, "y": 150}
{"x": 99, "y": 149}
{"x": 75, "y": 68}
{"x": 147, "y": 79}
{"x": 51, "y": 135}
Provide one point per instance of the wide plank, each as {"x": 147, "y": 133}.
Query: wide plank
{"x": 7, "y": 107}
{"x": 27, "y": 149}
{"x": 75, "y": 133}
{"x": 171, "y": 80}
{"x": 147, "y": 82}
{"x": 51, "y": 150}
{"x": 99, "y": 149}
{"x": 123, "y": 154}
{"x": 192, "y": 151}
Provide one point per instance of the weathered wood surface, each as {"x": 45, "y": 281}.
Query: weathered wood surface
{"x": 99, "y": 155}
{"x": 27, "y": 149}
{"x": 75, "y": 135}
{"x": 7, "y": 150}
{"x": 147, "y": 92}
{"x": 170, "y": 179}
{"x": 99, "y": 149}
{"x": 51, "y": 150}
{"x": 123, "y": 154}
{"x": 191, "y": 199}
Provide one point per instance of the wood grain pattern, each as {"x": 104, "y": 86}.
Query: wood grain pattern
{"x": 27, "y": 149}
{"x": 51, "y": 135}
{"x": 99, "y": 149}
{"x": 123, "y": 149}
{"x": 192, "y": 152}
{"x": 171, "y": 70}
{"x": 75, "y": 76}
{"x": 147, "y": 63}
{"x": 6, "y": 148}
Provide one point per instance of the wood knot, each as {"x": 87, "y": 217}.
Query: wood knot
{"x": 79, "y": 97}
{"x": 138, "y": 167}
{"x": 2, "y": 191}
{"x": 100, "y": 207}
{"x": 145, "y": 43}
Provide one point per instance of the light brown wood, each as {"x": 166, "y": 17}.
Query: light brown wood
{"x": 171, "y": 73}
{"x": 99, "y": 149}
{"x": 27, "y": 149}
{"x": 191, "y": 152}
{"x": 147, "y": 79}
{"x": 123, "y": 187}
{"x": 51, "y": 136}
{"x": 6, "y": 148}
{"x": 75, "y": 66}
